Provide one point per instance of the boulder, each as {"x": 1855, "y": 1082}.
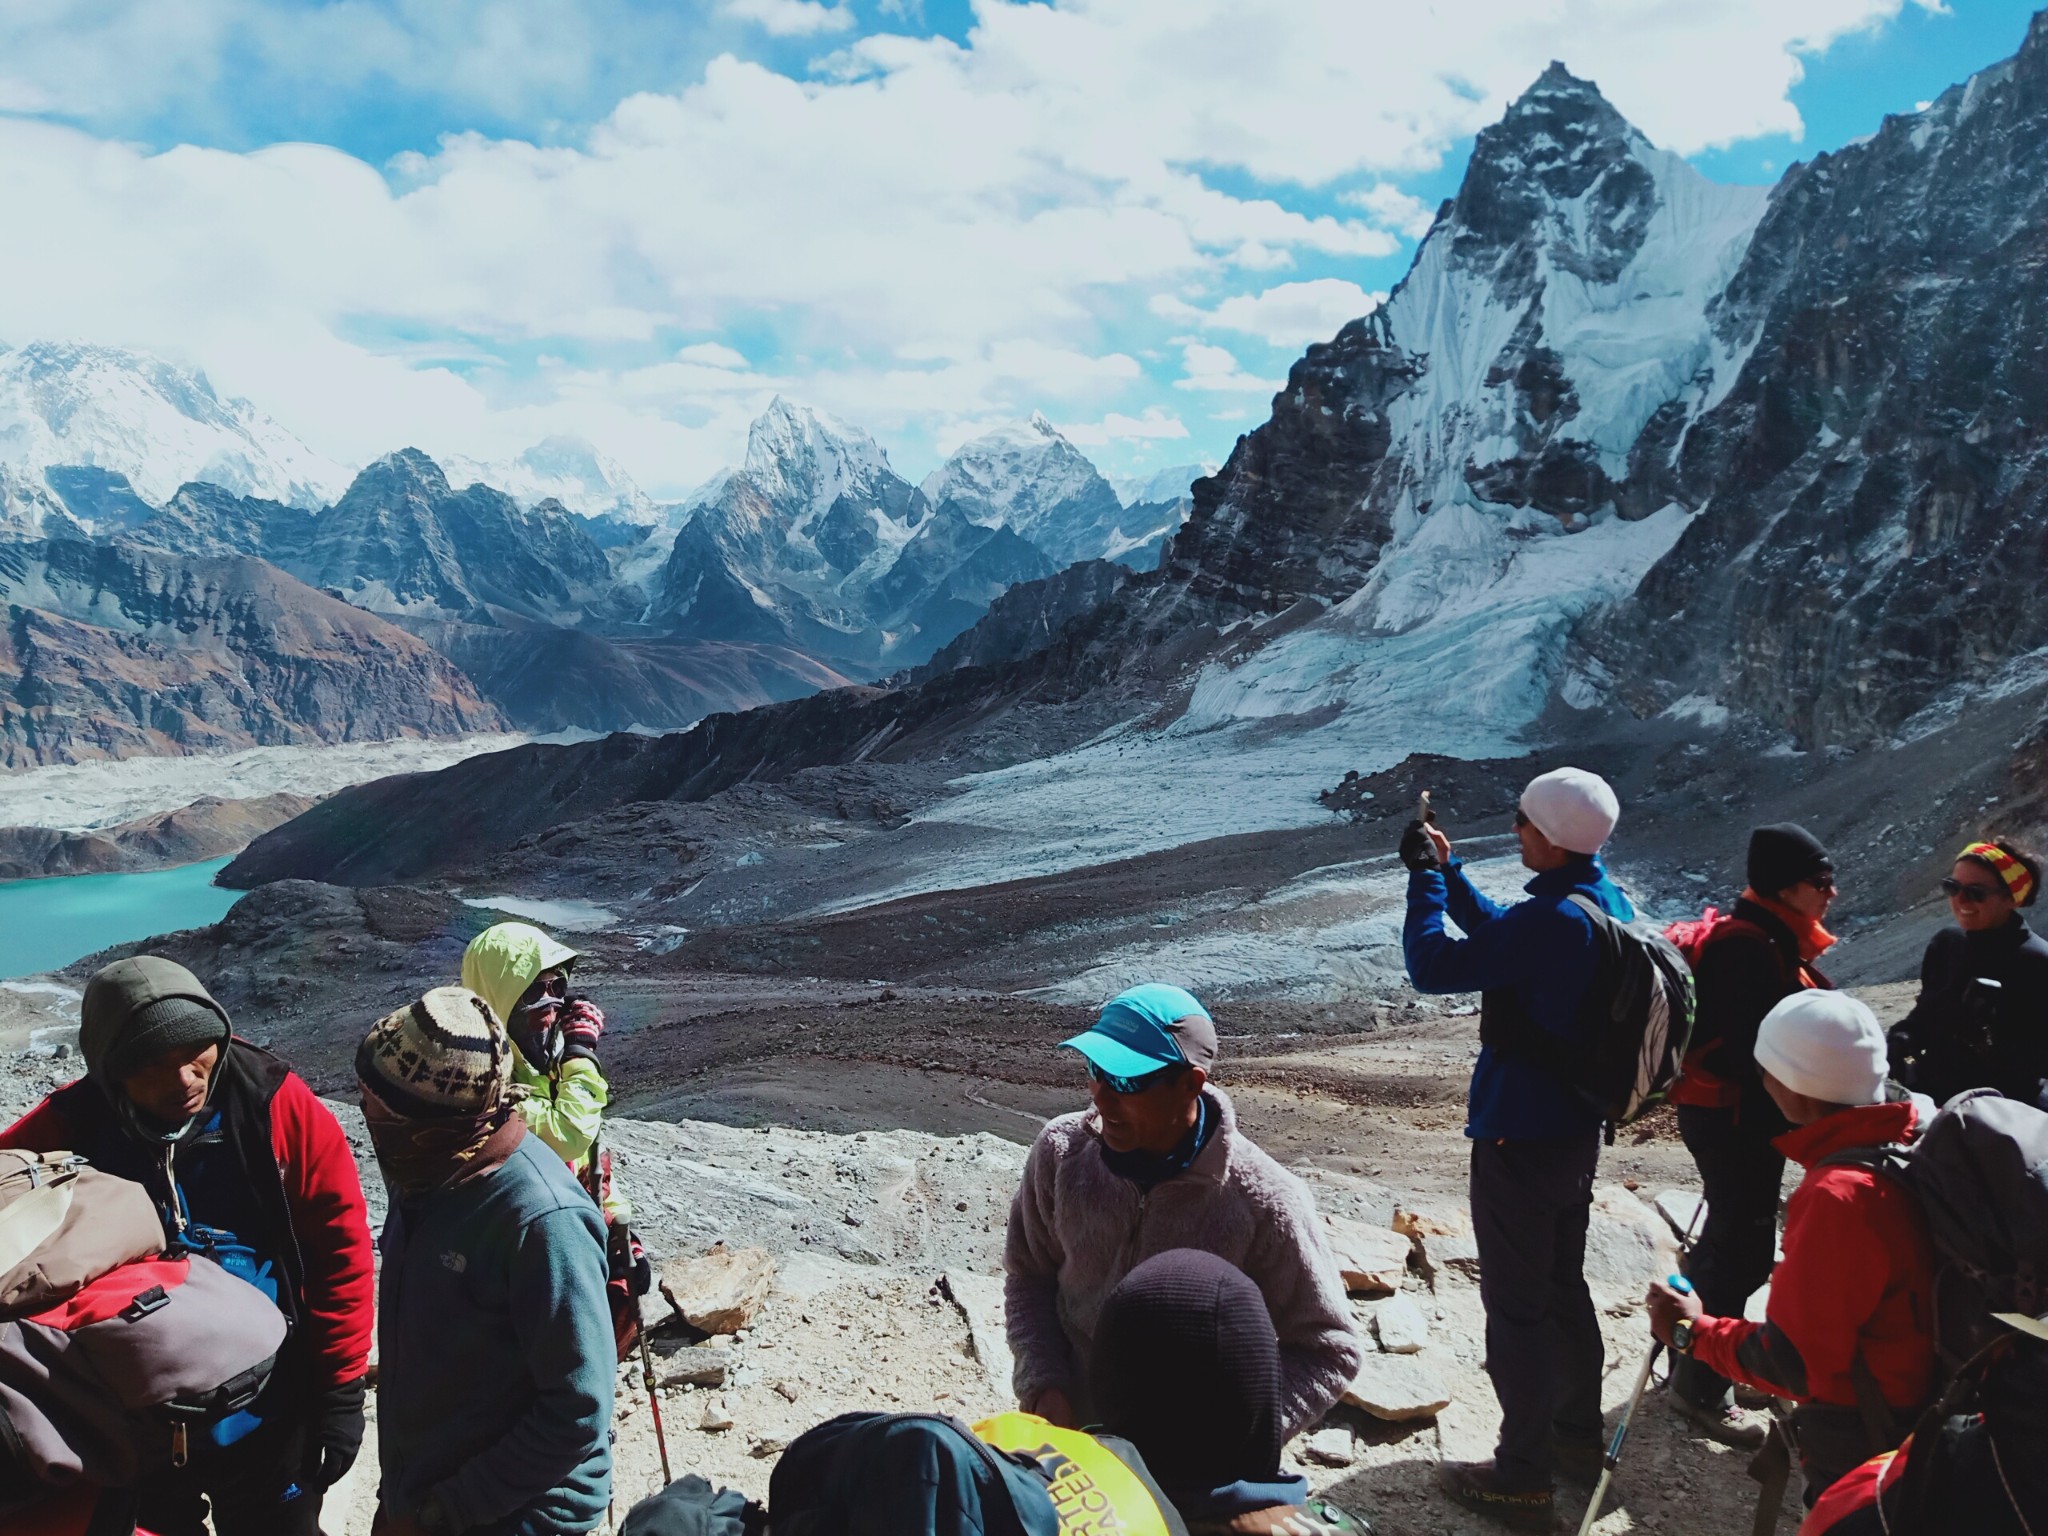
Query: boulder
{"x": 1398, "y": 1388}
{"x": 720, "y": 1292}
{"x": 1399, "y": 1326}
{"x": 979, "y": 1299}
{"x": 694, "y": 1366}
{"x": 1627, "y": 1246}
{"x": 1372, "y": 1260}
{"x": 1443, "y": 1241}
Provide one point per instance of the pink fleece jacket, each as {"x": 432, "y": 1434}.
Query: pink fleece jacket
{"x": 1076, "y": 1229}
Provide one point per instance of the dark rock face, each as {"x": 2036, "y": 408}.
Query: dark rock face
{"x": 148, "y": 654}
{"x": 1876, "y": 483}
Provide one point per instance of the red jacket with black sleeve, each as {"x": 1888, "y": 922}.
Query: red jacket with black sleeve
{"x": 300, "y": 1172}
{"x": 1858, "y": 1275}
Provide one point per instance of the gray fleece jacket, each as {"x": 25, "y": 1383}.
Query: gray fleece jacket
{"x": 1076, "y": 1229}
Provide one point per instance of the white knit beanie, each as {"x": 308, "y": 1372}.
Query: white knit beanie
{"x": 1575, "y": 809}
{"x": 1826, "y": 1045}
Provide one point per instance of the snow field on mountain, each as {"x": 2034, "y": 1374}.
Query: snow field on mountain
{"x": 85, "y": 796}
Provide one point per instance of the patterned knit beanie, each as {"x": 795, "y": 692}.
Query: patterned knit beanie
{"x": 439, "y": 1058}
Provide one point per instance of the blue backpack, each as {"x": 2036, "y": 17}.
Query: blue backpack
{"x": 883, "y": 1474}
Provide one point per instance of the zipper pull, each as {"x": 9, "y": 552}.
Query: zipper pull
{"x": 181, "y": 1449}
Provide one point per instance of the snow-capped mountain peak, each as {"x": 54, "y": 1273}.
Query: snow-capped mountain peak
{"x": 564, "y": 468}
{"x": 1161, "y": 486}
{"x": 157, "y": 423}
{"x": 804, "y": 460}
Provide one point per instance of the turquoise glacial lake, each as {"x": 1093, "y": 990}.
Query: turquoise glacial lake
{"x": 45, "y": 924}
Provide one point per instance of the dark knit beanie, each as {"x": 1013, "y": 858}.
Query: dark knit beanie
{"x": 137, "y": 1009}
{"x": 441, "y": 1057}
{"x": 1784, "y": 855}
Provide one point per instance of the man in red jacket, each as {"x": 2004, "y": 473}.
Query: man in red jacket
{"x": 248, "y": 1167}
{"x": 1848, "y": 1333}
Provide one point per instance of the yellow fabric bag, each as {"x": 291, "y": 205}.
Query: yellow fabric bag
{"x": 1094, "y": 1493}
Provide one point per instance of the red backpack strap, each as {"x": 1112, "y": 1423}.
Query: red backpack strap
{"x": 143, "y": 1285}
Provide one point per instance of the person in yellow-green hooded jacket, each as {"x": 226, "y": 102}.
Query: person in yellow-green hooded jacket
{"x": 524, "y": 975}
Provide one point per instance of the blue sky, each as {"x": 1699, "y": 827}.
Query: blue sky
{"x": 468, "y": 224}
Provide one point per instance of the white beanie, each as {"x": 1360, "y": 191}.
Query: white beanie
{"x": 1575, "y": 809}
{"x": 1826, "y": 1045}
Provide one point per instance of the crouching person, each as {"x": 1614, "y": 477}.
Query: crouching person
{"x": 495, "y": 1403}
{"x": 247, "y": 1167}
{"x": 1158, "y": 1164}
{"x": 1847, "y": 1331}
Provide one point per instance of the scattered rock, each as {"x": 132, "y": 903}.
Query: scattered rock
{"x": 695, "y": 1366}
{"x": 715, "y": 1420}
{"x": 1443, "y": 1241}
{"x": 1331, "y": 1446}
{"x": 1371, "y": 1259}
{"x": 767, "y": 1446}
{"x": 1398, "y": 1388}
{"x": 785, "y": 1391}
{"x": 1400, "y": 1326}
{"x": 720, "y": 1292}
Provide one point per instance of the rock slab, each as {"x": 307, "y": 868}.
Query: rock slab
{"x": 1373, "y": 1260}
{"x": 693, "y": 1366}
{"x": 1398, "y": 1388}
{"x": 720, "y": 1292}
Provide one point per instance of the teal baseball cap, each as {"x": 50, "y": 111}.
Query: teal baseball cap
{"x": 1147, "y": 1028}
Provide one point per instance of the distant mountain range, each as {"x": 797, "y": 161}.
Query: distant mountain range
{"x": 1699, "y": 479}
{"x": 561, "y": 592}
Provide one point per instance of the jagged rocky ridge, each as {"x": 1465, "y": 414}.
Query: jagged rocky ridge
{"x": 1602, "y": 373}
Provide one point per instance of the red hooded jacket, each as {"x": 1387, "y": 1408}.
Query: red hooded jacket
{"x": 1858, "y": 1274}
{"x": 317, "y": 1194}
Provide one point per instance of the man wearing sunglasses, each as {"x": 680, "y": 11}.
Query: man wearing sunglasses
{"x": 1158, "y": 1165}
{"x": 1981, "y": 1020}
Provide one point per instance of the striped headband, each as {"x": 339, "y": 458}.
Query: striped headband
{"x": 2005, "y": 866}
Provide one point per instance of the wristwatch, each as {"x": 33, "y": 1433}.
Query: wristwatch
{"x": 1681, "y": 1338}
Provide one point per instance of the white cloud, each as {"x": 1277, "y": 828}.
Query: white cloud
{"x": 1216, "y": 369}
{"x": 1291, "y": 315}
{"x": 1151, "y": 425}
{"x": 792, "y": 18}
{"x": 928, "y": 234}
{"x": 712, "y": 354}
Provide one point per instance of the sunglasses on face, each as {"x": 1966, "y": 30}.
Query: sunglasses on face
{"x": 1824, "y": 883}
{"x": 1521, "y": 821}
{"x": 1116, "y": 1084}
{"x": 1965, "y": 892}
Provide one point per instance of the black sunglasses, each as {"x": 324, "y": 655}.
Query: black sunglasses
{"x": 1821, "y": 882}
{"x": 1116, "y": 1084}
{"x": 1966, "y": 892}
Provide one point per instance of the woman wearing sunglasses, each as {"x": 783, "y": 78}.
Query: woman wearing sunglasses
{"x": 1982, "y": 1017}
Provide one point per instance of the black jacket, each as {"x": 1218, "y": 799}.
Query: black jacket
{"x": 1742, "y": 974}
{"x": 1960, "y": 1036}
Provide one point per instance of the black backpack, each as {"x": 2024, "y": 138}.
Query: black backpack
{"x": 1636, "y": 1021}
{"x": 1979, "y": 1173}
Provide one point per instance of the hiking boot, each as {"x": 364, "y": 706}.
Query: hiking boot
{"x": 1723, "y": 1421}
{"x": 1475, "y": 1485}
{"x": 1578, "y": 1461}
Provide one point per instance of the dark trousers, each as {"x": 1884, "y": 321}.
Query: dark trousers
{"x": 252, "y": 1487}
{"x": 1741, "y": 1173}
{"x": 1531, "y": 1204}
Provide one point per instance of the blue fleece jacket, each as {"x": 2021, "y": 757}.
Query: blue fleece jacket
{"x": 1546, "y": 951}
{"x": 497, "y": 1360}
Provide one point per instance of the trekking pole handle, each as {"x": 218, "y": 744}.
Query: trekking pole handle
{"x": 1679, "y": 1284}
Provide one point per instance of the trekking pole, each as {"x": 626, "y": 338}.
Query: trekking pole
{"x": 1613, "y": 1457}
{"x": 654, "y": 1402}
